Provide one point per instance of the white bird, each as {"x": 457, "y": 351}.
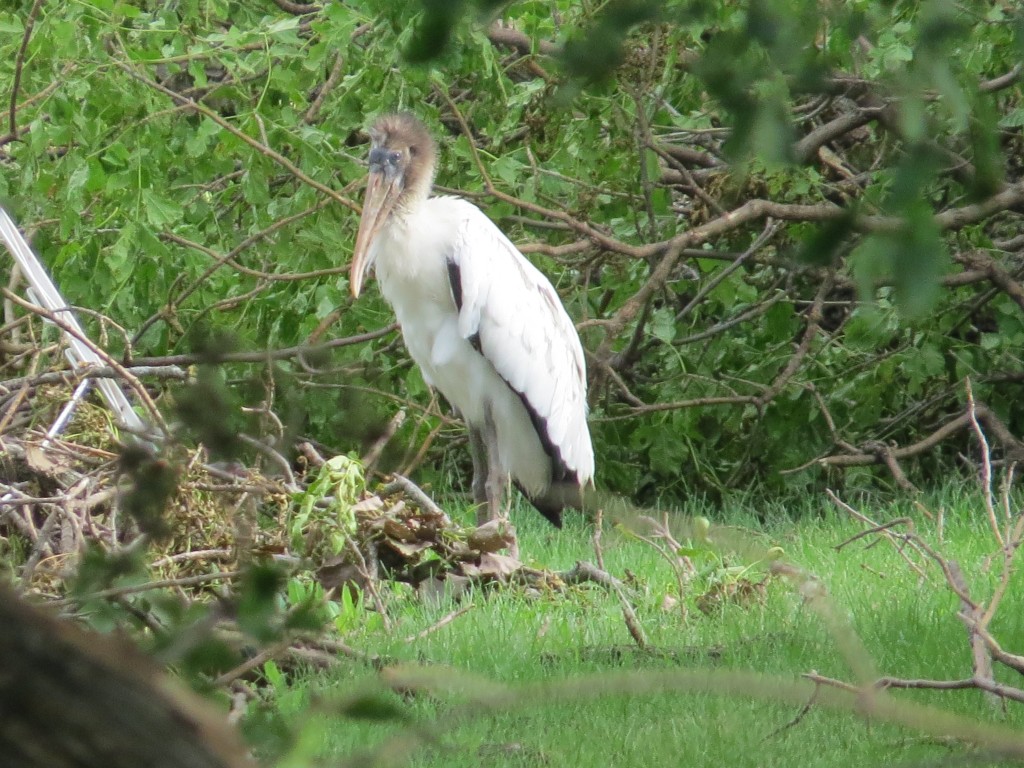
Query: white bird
{"x": 484, "y": 325}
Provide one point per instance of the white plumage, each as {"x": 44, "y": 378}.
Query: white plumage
{"x": 484, "y": 325}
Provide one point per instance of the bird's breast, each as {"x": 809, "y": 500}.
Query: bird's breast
{"x": 413, "y": 277}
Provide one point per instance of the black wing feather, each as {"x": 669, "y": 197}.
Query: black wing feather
{"x": 455, "y": 282}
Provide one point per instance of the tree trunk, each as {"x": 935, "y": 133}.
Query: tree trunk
{"x": 74, "y": 698}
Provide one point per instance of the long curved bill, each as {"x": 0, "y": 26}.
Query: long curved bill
{"x": 382, "y": 193}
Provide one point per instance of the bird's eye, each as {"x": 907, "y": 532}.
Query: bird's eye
{"x": 394, "y": 158}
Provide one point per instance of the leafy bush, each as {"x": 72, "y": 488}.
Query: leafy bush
{"x": 786, "y": 234}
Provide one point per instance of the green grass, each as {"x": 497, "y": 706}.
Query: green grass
{"x": 908, "y": 627}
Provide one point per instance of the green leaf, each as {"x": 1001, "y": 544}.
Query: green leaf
{"x": 1012, "y": 119}
{"x": 917, "y": 261}
{"x": 433, "y": 30}
{"x": 823, "y": 244}
{"x": 261, "y": 585}
{"x": 11, "y": 25}
{"x": 663, "y": 324}
{"x": 273, "y": 674}
{"x": 593, "y": 54}
{"x": 285, "y": 24}
{"x": 121, "y": 254}
{"x": 160, "y": 211}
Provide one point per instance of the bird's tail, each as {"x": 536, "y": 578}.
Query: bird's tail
{"x": 558, "y": 496}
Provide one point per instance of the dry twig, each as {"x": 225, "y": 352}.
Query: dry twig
{"x": 440, "y": 623}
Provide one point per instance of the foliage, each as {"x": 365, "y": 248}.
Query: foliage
{"x": 542, "y": 679}
{"x": 338, "y": 484}
{"x": 788, "y": 230}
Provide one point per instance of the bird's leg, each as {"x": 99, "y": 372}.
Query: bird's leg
{"x": 497, "y": 482}
{"x": 478, "y": 452}
{"x": 494, "y": 484}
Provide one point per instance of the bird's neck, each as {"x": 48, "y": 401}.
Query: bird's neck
{"x": 412, "y": 200}
{"x": 407, "y": 209}
{"x": 406, "y": 245}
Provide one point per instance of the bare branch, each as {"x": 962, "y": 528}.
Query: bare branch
{"x": 19, "y": 62}
{"x": 500, "y": 33}
{"x": 297, "y": 9}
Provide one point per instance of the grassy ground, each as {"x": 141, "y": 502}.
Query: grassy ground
{"x": 908, "y": 626}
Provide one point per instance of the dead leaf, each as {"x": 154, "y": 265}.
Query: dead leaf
{"x": 336, "y": 574}
{"x": 408, "y": 549}
{"x": 459, "y": 549}
{"x": 44, "y": 463}
{"x": 397, "y": 529}
{"x": 369, "y": 506}
{"x": 492, "y": 564}
{"x": 491, "y": 537}
{"x": 742, "y": 592}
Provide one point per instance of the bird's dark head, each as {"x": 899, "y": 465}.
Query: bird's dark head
{"x": 402, "y": 157}
{"x": 401, "y": 147}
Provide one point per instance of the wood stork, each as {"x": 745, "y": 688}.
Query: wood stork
{"x": 484, "y": 325}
